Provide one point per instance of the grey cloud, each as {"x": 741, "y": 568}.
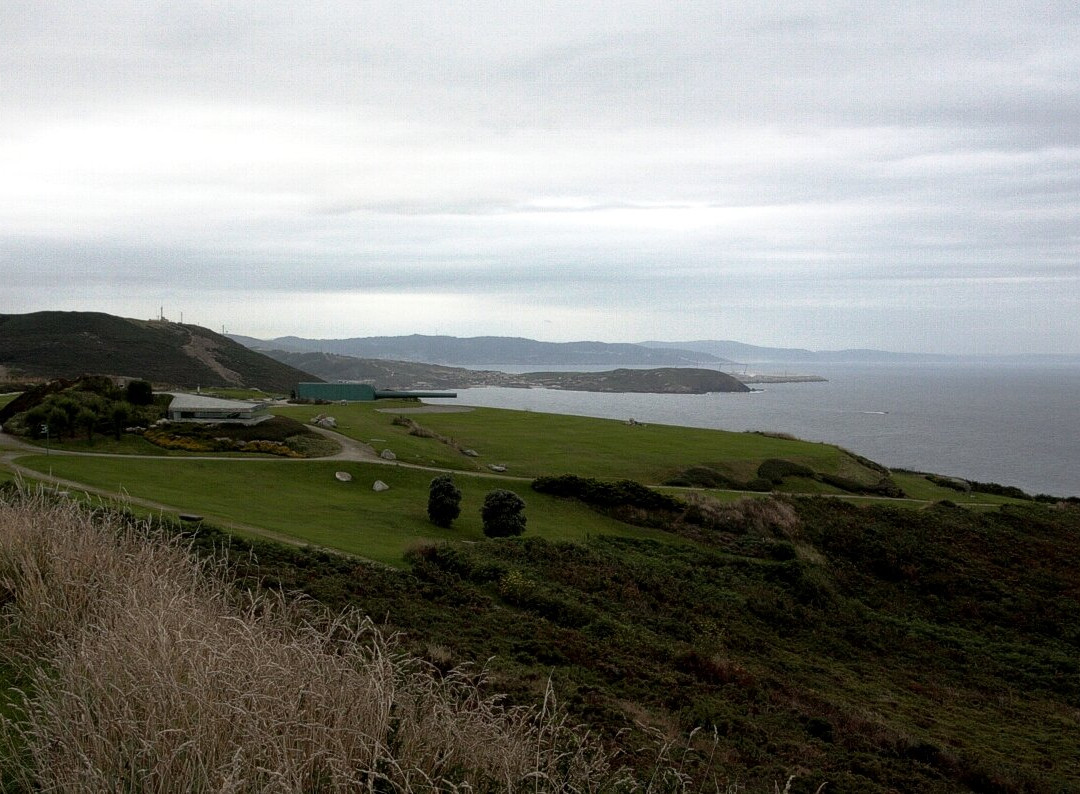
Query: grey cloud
{"x": 596, "y": 152}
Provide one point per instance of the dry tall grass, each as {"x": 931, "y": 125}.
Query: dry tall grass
{"x": 149, "y": 673}
{"x": 766, "y": 516}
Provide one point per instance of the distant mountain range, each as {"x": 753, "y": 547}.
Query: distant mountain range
{"x": 389, "y": 374}
{"x": 484, "y": 350}
{"x": 70, "y": 344}
{"x": 754, "y": 354}
{"x": 481, "y": 351}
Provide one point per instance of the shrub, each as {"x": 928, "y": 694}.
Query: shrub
{"x": 444, "y": 501}
{"x": 884, "y": 487}
{"x": 139, "y": 392}
{"x": 503, "y": 514}
{"x": 624, "y": 493}
{"x": 776, "y": 469}
{"x": 703, "y": 477}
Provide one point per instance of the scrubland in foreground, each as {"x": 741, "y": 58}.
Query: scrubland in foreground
{"x": 872, "y": 649}
{"x": 143, "y": 670}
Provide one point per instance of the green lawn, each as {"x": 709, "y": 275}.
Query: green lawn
{"x": 304, "y": 500}
{"x": 532, "y": 444}
{"x": 6, "y": 398}
{"x": 918, "y": 487}
{"x": 128, "y": 444}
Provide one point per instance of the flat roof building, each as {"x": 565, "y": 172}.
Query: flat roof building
{"x": 211, "y": 410}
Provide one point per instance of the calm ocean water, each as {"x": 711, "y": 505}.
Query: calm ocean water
{"x": 1013, "y": 424}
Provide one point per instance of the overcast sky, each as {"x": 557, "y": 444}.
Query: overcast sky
{"x": 825, "y": 175}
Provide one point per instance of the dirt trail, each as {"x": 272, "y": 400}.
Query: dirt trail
{"x": 202, "y": 350}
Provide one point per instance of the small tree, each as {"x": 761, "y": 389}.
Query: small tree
{"x": 444, "y": 501}
{"x": 57, "y": 421}
{"x": 36, "y": 418}
{"x": 503, "y": 514}
{"x": 86, "y": 419}
{"x": 139, "y": 392}
{"x": 120, "y": 414}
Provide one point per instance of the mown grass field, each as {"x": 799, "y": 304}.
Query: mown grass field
{"x": 534, "y": 444}
{"x": 304, "y": 500}
{"x": 918, "y": 487}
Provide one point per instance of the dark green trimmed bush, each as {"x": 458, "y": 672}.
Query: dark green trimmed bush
{"x": 444, "y": 501}
{"x": 503, "y": 514}
{"x": 624, "y": 493}
{"x": 776, "y": 469}
{"x": 139, "y": 392}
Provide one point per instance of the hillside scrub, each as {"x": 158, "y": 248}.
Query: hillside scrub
{"x": 695, "y": 515}
{"x": 147, "y": 671}
{"x": 874, "y": 649}
{"x": 67, "y": 344}
{"x": 90, "y": 404}
{"x": 278, "y": 435}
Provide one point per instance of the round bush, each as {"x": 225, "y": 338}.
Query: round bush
{"x": 444, "y": 501}
{"x": 503, "y": 514}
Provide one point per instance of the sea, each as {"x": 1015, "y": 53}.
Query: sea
{"x": 1015, "y": 423}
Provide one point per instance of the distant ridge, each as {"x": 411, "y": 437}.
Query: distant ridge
{"x": 69, "y": 344}
{"x": 744, "y": 353}
{"x": 481, "y": 350}
{"x": 389, "y": 374}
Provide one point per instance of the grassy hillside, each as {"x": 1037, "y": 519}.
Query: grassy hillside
{"x": 70, "y": 344}
{"x": 303, "y": 500}
{"x": 873, "y": 649}
{"x": 868, "y": 649}
{"x": 531, "y": 444}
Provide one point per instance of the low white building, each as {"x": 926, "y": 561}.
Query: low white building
{"x": 211, "y": 410}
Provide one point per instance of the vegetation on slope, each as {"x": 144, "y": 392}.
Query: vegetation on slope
{"x": 304, "y": 500}
{"x": 872, "y": 649}
{"x": 70, "y": 344}
{"x": 93, "y": 414}
{"x": 145, "y": 671}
